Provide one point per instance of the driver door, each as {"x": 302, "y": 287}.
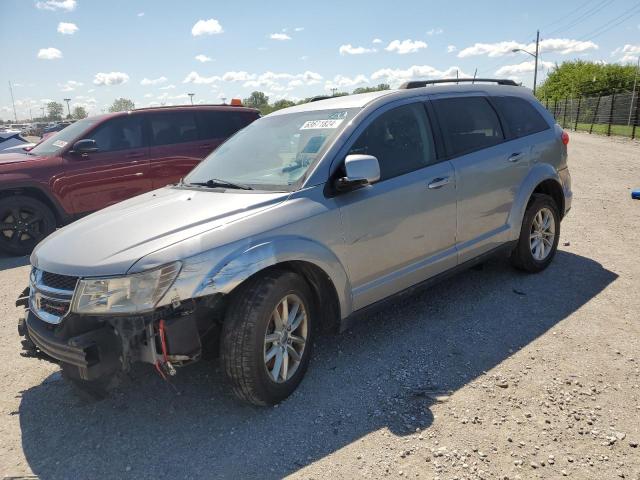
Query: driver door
{"x": 400, "y": 230}
{"x": 117, "y": 171}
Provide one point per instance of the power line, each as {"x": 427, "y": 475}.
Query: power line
{"x": 581, "y": 18}
{"x": 623, "y": 17}
{"x": 564, "y": 17}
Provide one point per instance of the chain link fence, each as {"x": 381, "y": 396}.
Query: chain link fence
{"x": 615, "y": 114}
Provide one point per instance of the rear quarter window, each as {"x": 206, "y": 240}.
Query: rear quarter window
{"x": 520, "y": 116}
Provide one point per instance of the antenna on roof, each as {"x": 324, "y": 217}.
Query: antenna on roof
{"x": 474, "y": 76}
{"x": 456, "y": 75}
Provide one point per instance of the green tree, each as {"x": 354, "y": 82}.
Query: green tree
{"x": 280, "y": 104}
{"x": 579, "y": 78}
{"x": 79, "y": 113}
{"x": 54, "y": 111}
{"x": 122, "y": 105}
{"x": 258, "y": 100}
{"x": 377, "y": 88}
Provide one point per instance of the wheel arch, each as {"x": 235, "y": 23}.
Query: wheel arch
{"x": 542, "y": 178}
{"x": 314, "y": 262}
{"x": 37, "y": 194}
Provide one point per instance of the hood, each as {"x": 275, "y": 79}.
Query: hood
{"x": 10, "y": 158}
{"x": 110, "y": 241}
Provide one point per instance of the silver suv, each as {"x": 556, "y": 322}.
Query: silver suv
{"x": 300, "y": 222}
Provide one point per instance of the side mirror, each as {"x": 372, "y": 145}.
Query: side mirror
{"x": 85, "y": 146}
{"x": 360, "y": 170}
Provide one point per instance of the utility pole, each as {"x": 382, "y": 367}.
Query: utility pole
{"x": 633, "y": 91}
{"x": 334, "y": 91}
{"x": 535, "y": 71}
{"x": 15, "y": 115}
{"x": 42, "y": 107}
{"x": 191, "y": 97}
{"x": 68, "y": 109}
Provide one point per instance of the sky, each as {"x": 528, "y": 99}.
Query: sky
{"x": 155, "y": 52}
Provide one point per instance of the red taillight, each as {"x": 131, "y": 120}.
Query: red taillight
{"x": 565, "y": 137}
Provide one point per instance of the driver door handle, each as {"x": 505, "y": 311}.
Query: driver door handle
{"x": 438, "y": 183}
{"x": 515, "y": 157}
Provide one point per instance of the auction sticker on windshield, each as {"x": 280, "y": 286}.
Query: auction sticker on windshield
{"x": 59, "y": 143}
{"x": 318, "y": 124}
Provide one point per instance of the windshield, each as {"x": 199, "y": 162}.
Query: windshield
{"x": 274, "y": 152}
{"x": 61, "y": 139}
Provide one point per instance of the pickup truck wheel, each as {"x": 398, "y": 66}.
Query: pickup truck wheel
{"x": 539, "y": 235}
{"x": 266, "y": 337}
{"x": 24, "y": 221}
{"x": 90, "y": 390}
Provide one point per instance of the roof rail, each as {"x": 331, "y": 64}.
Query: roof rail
{"x": 319, "y": 97}
{"x": 424, "y": 83}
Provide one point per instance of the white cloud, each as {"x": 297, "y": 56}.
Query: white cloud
{"x": 111, "y": 78}
{"x": 451, "y": 48}
{"x": 341, "y": 81}
{"x": 67, "y": 28}
{"x": 154, "y": 81}
{"x": 405, "y": 46}
{"x": 141, "y": 14}
{"x": 49, "y": 53}
{"x": 195, "y": 77}
{"x": 70, "y": 85}
{"x": 349, "y": 49}
{"x": 278, "y": 82}
{"x": 206, "y": 27}
{"x": 67, "y": 5}
{"x": 304, "y": 58}
{"x": 168, "y": 87}
{"x": 627, "y": 54}
{"x": 524, "y": 67}
{"x": 237, "y": 76}
{"x": 148, "y": 95}
{"x": 298, "y": 29}
{"x": 279, "y": 36}
{"x": 416, "y": 72}
{"x": 435, "y": 31}
{"x": 564, "y": 46}
{"x": 203, "y": 58}
{"x": 376, "y": 41}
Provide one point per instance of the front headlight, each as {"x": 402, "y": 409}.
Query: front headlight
{"x": 135, "y": 293}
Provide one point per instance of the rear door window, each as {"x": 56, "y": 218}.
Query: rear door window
{"x": 173, "y": 127}
{"x": 468, "y": 124}
{"x": 221, "y": 124}
{"x": 122, "y": 133}
{"x": 520, "y": 116}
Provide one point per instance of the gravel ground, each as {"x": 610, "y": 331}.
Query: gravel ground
{"x": 490, "y": 374}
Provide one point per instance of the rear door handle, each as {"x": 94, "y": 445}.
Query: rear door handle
{"x": 515, "y": 157}
{"x": 438, "y": 183}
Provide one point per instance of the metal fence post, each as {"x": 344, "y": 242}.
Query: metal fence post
{"x": 555, "y": 108}
{"x": 575, "y": 126}
{"x": 613, "y": 97}
{"x": 637, "y": 120}
{"x": 564, "y": 116}
{"x": 595, "y": 114}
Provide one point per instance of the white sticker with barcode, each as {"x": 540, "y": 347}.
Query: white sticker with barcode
{"x": 59, "y": 143}
{"x": 318, "y": 124}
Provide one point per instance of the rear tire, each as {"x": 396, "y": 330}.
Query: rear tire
{"x": 24, "y": 222}
{"x": 539, "y": 235}
{"x": 256, "y": 341}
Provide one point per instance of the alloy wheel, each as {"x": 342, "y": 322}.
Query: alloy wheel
{"x": 542, "y": 235}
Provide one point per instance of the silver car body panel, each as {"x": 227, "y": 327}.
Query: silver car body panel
{"x": 223, "y": 237}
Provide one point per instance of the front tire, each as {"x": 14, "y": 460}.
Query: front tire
{"x": 90, "y": 390}
{"x": 539, "y": 235}
{"x": 24, "y": 222}
{"x": 267, "y": 337}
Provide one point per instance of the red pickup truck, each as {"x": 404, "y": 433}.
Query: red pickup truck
{"x": 103, "y": 160}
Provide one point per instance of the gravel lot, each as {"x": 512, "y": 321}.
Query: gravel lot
{"x": 490, "y": 374}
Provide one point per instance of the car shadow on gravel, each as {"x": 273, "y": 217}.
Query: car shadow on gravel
{"x": 7, "y": 262}
{"x": 384, "y": 373}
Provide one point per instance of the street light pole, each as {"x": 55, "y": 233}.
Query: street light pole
{"x": 68, "y": 108}
{"x": 191, "y": 97}
{"x": 535, "y": 71}
{"x": 535, "y": 56}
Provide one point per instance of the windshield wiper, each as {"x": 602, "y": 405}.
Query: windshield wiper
{"x": 216, "y": 182}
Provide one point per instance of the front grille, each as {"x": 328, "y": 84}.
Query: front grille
{"x": 61, "y": 282}
{"x": 50, "y": 295}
